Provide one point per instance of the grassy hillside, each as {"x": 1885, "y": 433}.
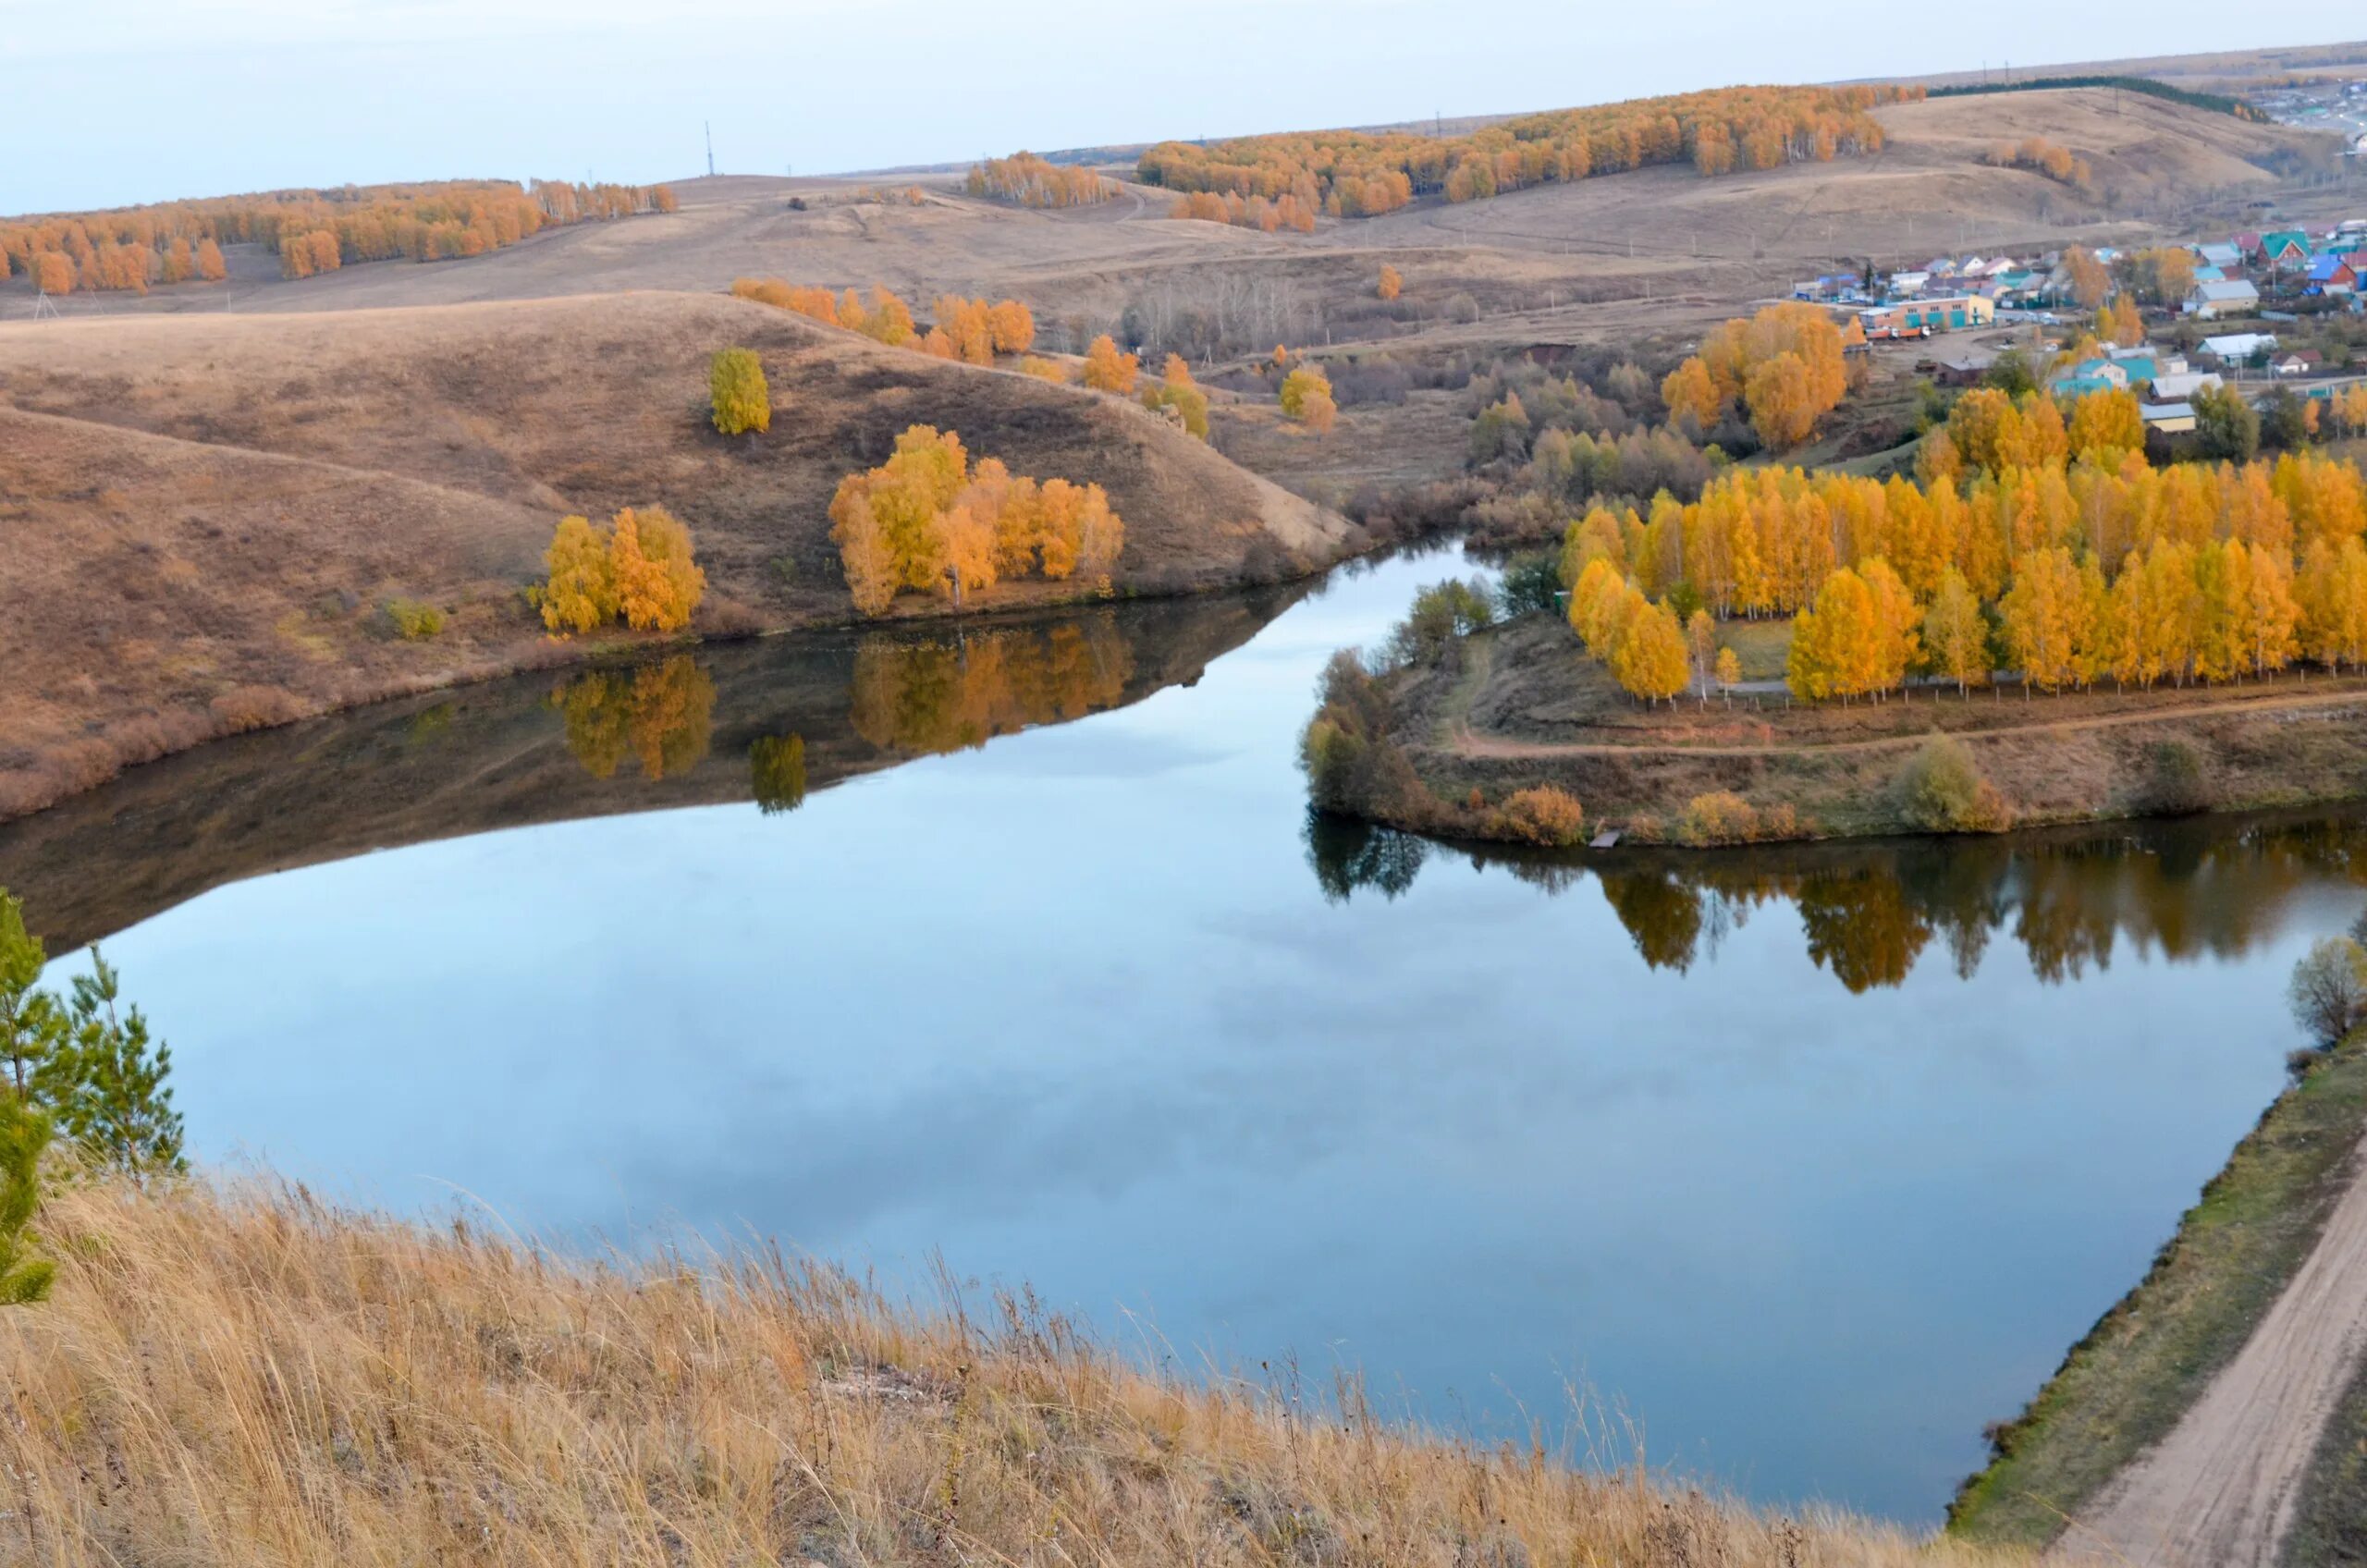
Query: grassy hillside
{"x": 213, "y": 511}
{"x": 250, "y": 1376}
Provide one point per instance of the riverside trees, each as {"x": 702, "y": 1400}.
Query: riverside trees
{"x": 926, "y": 520}
{"x": 640, "y": 568}
{"x": 2072, "y": 568}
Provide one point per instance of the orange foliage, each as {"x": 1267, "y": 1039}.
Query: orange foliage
{"x": 1032, "y": 182}
{"x": 1785, "y": 365}
{"x": 129, "y": 248}
{"x": 1107, "y": 370}
{"x": 925, "y": 519}
{"x": 1391, "y": 285}
{"x": 641, "y": 569}
{"x": 1356, "y": 174}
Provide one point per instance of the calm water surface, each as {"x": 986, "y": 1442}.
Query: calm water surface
{"x": 1811, "y": 1162}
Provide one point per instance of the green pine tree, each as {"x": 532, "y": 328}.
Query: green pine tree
{"x": 30, "y": 1025}
{"x": 24, "y": 1134}
{"x": 108, "y": 1083}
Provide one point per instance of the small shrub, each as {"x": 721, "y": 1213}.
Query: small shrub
{"x": 1942, "y": 791}
{"x": 2175, "y": 786}
{"x": 1463, "y": 310}
{"x": 1719, "y": 817}
{"x": 1540, "y": 814}
{"x": 414, "y": 620}
{"x": 255, "y": 707}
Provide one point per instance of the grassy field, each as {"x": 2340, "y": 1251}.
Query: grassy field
{"x": 247, "y": 1376}
{"x": 2125, "y": 1386}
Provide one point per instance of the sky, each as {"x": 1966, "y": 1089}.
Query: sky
{"x": 150, "y": 100}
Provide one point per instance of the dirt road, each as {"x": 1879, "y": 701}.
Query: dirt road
{"x": 1478, "y": 744}
{"x": 2221, "y": 1489}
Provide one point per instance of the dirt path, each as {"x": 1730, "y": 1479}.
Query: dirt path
{"x": 1471, "y": 743}
{"x": 2221, "y": 1489}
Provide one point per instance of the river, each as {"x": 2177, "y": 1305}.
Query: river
{"x": 1795, "y": 1167}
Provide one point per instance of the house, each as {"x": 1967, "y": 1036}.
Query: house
{"x": 2170, "y": 419}
{"x": 2233, "y": 297}
{"x": 2331, "y": 274}
{"x": 1922, "y": 318}
{"x": 2235, "y": 347}
{"x": 2179, "y": 386}
{"x": 2286, "y": 248}
{"x": 2090, "y": 375}
{"x": 1964, "y": 368}
{"x": 1906, "y": 285}
{"x": 2205, "y": 273}
{"x": 2227, "y": 258}
{"x": 2299, "y": 362}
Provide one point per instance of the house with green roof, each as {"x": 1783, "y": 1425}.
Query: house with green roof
{"x": 2286, "y": 248}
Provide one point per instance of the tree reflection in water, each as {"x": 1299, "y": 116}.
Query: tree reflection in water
{"x": 967, "y": 688}
{"x": 658, "y": 713}
{"x": 1868, "y": 911}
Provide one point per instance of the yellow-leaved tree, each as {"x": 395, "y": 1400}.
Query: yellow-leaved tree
{"x": 1178, "y": 391}
{"x": 580, "y": 585}
{"x": 1107, "y": 370}
{"x": 741, "y": 400}
{"x": 641, "y": 567}
{"x": 925, "y": 519}
{"x": 1391, "y": 285}
{"x": 1649, "y": 660}
{"x": 658, "y": 581}
{"x": 1306, "y": 397}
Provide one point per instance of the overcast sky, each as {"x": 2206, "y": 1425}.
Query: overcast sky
{"x": 146, "y": 99}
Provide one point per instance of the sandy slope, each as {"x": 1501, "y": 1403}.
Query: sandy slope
{"x": 2221, "y": 1489}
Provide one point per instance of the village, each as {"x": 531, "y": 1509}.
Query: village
{"x": 2280, "y": 313}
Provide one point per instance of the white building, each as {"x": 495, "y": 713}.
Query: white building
{"x": 2178, "y": 389}
{"x": 2236, "y": 345}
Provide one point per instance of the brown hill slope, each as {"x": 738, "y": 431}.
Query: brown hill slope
{"x": 213, "y": 512}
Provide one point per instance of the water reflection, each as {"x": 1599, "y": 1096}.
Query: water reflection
{"x": 963, "y": 690}
{"x": 659, "y": 713}
{"x": 769, "y": 720}
{"x": 1868, "y": 913}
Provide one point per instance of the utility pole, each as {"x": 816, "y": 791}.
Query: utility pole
{"x": 709, "y": 125}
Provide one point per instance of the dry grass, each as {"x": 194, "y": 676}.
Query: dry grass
{"x": 245, "y": 1376}
{"x": 208, "y": 514}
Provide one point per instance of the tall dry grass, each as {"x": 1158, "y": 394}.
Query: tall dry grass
{"x": 242, "y": 1375}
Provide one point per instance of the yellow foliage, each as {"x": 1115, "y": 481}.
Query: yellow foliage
{"x": 658, "y": 582}
{"x": 1107, "y": 370}
{"x": 737, "y": 393}
{"x": 925, "y": 519}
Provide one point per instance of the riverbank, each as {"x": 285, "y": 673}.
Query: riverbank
{"x": 213, "y": 516}
{"x": 2069, "y": 1466}
{"x": 1520, "y": 707}
{"x": 406, "y": 1393}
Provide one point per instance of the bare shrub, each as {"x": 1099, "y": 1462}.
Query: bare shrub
{"x": 255, "y": 707}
